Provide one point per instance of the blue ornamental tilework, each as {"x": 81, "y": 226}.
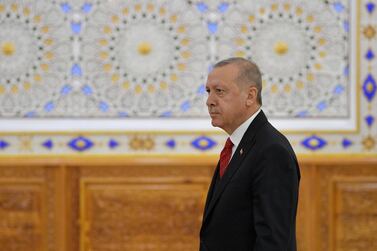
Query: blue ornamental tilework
{"x": 35, "y": 49}
{"x": 80, "y": 144}
{"x": 3, "y": 144}
{"x": 140, "y": 59}
{"x": 314, "y": 143}
{"x": 302, "y": 48}
{"x": 127, "y": 143}
{"x": 203, "y": 143}
{"x": 143, "y": 59}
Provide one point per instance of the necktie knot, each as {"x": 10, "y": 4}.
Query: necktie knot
{"x": 228, "y": 144}
{"x": 225, "y": 156}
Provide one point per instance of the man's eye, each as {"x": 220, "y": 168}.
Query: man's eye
{"x": 219, "y": 90}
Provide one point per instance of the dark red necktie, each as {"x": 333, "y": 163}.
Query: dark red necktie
{"x": 225, "y": 156}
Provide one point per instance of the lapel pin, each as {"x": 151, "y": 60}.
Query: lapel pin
{"x": 241, "y": 151}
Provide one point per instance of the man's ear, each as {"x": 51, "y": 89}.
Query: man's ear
{"x": 251, "y": 95}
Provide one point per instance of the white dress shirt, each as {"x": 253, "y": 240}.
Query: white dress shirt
{"x": 240, "y": 131}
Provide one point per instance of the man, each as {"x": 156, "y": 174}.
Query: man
{"x": 252, "y": 200}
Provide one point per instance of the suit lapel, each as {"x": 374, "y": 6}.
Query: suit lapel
{"x": 248, "y": 140}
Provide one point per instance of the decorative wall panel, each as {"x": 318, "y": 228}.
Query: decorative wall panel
{"x": 139, "y": 215}
{"x": 34, "y": 57}
{"x": 156, "y": 203}
{"x": 302, "y": 48}
{"x": 355, "y": 221}
{"x": 21, "y": 215}
{"x": 26, "y": 195}
{"x": 95, "y": 68}
{"x": 347, "y": 195}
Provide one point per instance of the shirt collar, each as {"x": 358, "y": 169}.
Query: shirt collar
{"x": 240, "y": 131}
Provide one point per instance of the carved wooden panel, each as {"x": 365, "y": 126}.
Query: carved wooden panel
{"x": 156, "y": 204}
{"x": 355, "y": 214}
{"x": 31, "y": 215}
{"x": 345, "y": 206}
{"x": 21, "y": 215}
{"x": 160, "y": 214}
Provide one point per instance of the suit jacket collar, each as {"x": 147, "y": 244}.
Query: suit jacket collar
{"x": 248, "y": 140}
{"x": 238, "y": 134}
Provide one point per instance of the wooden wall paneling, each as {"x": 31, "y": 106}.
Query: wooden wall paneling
{"x": 63, "y": 209}
{"x": 141, "y": 214}
{"x": 305, "y": 225}
{"x": 155, "y": 206}
{"x": 347, "y": 209}
{"x": 128, "y": 203}
{"x": 354, "y": 213}
{"x": 73, "y": 224}
{"x": 22, "y": 214}
{"x": 27, "y": 207}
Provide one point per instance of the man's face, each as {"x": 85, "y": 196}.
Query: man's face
{"x": 226, "y": 101}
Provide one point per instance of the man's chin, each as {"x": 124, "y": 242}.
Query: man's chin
{"x": 215, "y": 123}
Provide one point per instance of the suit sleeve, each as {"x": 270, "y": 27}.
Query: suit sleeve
{"x": 275, "y": 195}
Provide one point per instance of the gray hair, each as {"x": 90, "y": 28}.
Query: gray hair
{"x": 249, "y": 73}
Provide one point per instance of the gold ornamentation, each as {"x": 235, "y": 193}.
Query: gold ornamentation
{"x": 138, "y": 89}
{"x": 142, "y": 143}
{"x": 151, "y": 88}
{"x": 287, "y": 88}
{"x": 299, "y": 84}
{"x": 49, "y": 55}
{"x": 37, "y": 77}
{"x": 181, "y": 29}
{"x": 240, "y": 54}
{"x": 48, "y": 41}
{"x": 14, "y": 7}
{"x": 274, "y": 7}
{"x": 8, "y": 48}
{"x": 299, "y": 11}
{"x": 185, "y": 41}
{"x": 144, "y": 48}
{"x": 369, "y": 87}
{"x": 274, "y": 88}
{"x": 281, "y": 47}
{"x": 115, "y": 19}
{"x": 369, "y": 142}
{"x": 126, "y": 85}
{"x": 27, "y": 86}
{"x": 163, "y": 85}
{"x": 173, "y": 77}
{"x": 287, "y": 6}
{"x": 107, "y": 67}
{"x": 186, "y": 54}
{"x": 14, "y": 89}
{"x": 369, "y": 32}
{"x": 107, "y": 29}
{"x": 26, "y": 143}
{"x": 240, "y": 41}
{"x": 313, "y": 142}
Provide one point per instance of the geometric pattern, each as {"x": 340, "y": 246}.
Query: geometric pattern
{"x": 70, "y": 89}
{"x": 35, "y": 50}
{"x": 302, "y": 48}
{"x": 150, "y": 59}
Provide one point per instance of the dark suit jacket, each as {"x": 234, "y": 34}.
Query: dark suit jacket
{"x": 253, "y": 206}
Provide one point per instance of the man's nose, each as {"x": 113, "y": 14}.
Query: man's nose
{"x": 210, "y": 100}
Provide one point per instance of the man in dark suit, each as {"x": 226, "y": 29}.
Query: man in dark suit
{"x": 252, "y": 200}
